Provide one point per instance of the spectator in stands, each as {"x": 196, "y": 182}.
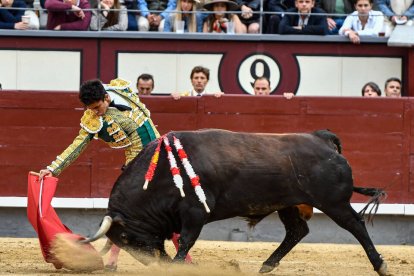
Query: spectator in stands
{"x": 110, "y": 17}
{"x": 362, "y": 22}
{"x": 154, "y": 21}
{"x": 272, "y": 22}
{"x": 247, "y": 17}
{"x": 371, "y": 89}
{"x": 186, "y": 11}
{"x": 261, "y": 87}
{"x": 304, "y": 19}
{"x": 393, "y": 87}
{"x": 68, "y": 15}
{"x": 396, "y": 12}
{"x": 133, "y": 14}
{"x": 199, "y": 78}
{"x": 12, "y": 18}
{"x": 339, "y": 7}
{"x": 217, "y": 22}
{"x": 145, "y": 84}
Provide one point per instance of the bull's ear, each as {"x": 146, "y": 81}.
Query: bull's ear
{"x": 119, "y": 219}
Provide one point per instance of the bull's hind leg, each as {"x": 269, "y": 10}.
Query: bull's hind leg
{"x": 296, "y": 229}
{"x": 347, "y": 218}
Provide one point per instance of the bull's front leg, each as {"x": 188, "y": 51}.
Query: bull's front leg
{"x": 192, "y": 223}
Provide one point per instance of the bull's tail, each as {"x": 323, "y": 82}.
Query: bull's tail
{"x": 377, "y": 196}
{"x": 330, "y": 138}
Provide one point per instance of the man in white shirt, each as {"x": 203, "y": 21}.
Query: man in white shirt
{"x": 362, "y": 22}
{"x": 199, "y": 78}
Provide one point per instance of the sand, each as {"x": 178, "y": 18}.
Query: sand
{"x": 23, "y": 257}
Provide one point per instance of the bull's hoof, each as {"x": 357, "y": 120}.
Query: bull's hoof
{"x": 111, "y": 267}
{"x": 267, "y": 268}
{"x": 382, "y": 271}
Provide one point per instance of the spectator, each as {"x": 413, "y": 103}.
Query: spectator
{"x": 217, "y": 22}
{"x": 393, "y": 87}
{"x": 68, "y": 15}
{"x": 199, "y": 78}
{"x": 153, "y": 13}
{"x": 186, "y": 11}
{"x": 12, "y": 18}
{"x": 133, "y": 14}
{"x": 273, "y": 21}
{"x": 261, "y": 87}
{"x": 396, "y": 12}
{"x": 339, "y": 7}
{"x": 247, "y": 17}
{"x": 110, "y": 17}
{"x": 362, "y": 22}
{"x": 145, "y": 84}
{"x": 304, "y": 19}
{"x": 371, "y": 89}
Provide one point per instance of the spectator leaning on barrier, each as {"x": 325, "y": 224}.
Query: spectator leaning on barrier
{"x": 362, "y": 22}
{"x": 145, "y": 84}
{"x": 304, "y": 19}
{"x": 392, "y": 87}
{"x": 68, "y": 15}
{"x": 199, "y": 78}
{"x": 339, "y": 7}
{"x": 396, "y": 12}
{"x": 111, "y": 17}
{"x": 185, "y": 11}
{"x": 261, "y": 87}
{"x": 371, "y": 89}
{"x": 12, "y": 19}
{"x": 272, "y": 21}
{"x": 218, "y": 21}
{"x": 153, "y": 13}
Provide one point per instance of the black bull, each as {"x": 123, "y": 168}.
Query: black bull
{"x": 245, "y": 175}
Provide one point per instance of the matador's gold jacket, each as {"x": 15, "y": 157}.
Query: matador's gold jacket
{"x": 119, "y": 129}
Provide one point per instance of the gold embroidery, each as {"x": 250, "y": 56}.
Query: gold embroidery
{"x": 112, "y": 129}
{"x": 120, "y": 144}
{"x": 91, "y": 122}
{"x": 119, "y": 136}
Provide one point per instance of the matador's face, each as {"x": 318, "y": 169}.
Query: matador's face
{"x": 100, "y": 107}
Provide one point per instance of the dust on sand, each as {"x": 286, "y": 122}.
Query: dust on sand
{"x": 23, "y": 257}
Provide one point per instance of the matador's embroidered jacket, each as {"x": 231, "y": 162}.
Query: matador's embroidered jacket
{"x": 131, "y": 129}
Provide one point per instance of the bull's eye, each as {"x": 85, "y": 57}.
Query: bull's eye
{"x": 124, "y": 238}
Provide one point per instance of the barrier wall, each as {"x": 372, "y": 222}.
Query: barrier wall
{"x": 375, "y": 134}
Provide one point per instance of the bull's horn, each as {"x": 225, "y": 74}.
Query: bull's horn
{"x": 106, "y": 248}
{"x": 106, "y": 224}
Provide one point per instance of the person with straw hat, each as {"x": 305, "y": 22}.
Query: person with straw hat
{"x": 218, "y": 21}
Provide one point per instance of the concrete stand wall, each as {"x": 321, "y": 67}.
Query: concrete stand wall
{"x": 386, "y": 229}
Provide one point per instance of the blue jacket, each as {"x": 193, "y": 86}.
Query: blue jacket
{"x": 385, "y": 7}
{"x": 10, "y": 17}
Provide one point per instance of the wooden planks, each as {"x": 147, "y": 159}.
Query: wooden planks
{"x": 375, "y": 134}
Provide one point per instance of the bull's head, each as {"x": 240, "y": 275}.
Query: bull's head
{"x": 137, "y": 242}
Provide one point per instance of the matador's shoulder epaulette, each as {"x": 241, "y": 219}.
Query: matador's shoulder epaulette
{"x": 91, "y": 122}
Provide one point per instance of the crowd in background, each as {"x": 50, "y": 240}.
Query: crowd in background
{"x": 351, "y": 18}
{"x": 200, "y": 77}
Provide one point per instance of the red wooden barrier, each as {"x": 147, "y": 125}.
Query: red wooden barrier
{"x": 375, "y": 134}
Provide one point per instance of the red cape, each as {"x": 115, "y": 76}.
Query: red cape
{"x": 41, "y": 214}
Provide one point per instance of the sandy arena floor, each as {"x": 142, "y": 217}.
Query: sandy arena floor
{"x": 23, "y": 257}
